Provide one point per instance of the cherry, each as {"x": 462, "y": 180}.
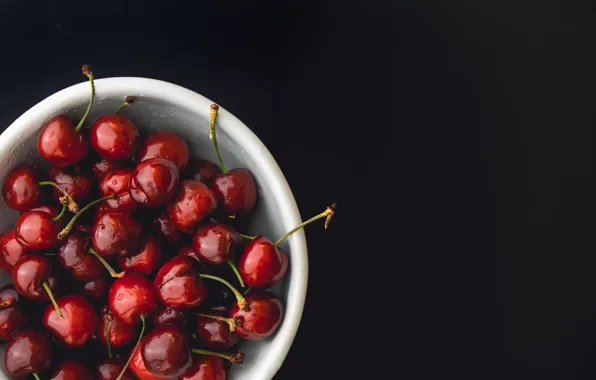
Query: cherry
{"x": 166, "y": 351}
{"x": 38, "y": 230}
{"x": 165, "y": 315}
{"x": 33, "y": 278}
{"x": 189, "y": 250}
{"x": 202, "y": 170}
{"x": 131, "y": 298}
{"x": 73, "y": 255}
{"x": 205, "y": 367}
{"x": 20, "y": 190}
{"x": 10, "y": 250}
{"x": 75, "y": 321}
{"x": 96, "y": 289}
{"x": 120, "y": 334}
{"x": 114, "y": 137}
{"x": 261, "y": 318}
{"x": 166, "y": 229}
{"x": 117, "y": 182}
{"x": 192, "y": 205}
{"x": 179, "y": 284}
{"x": 59, "y": 142}
{"x": 102, "y": 166}
{"x": 12, "y": 315}
{"x": 28, "y": 352}
{"x": 165, "y": 145}
{"x": 108, "y": 369}
{"x": 71, "y": 370}
{"x": 137, "y": 366}
{"x": 78, "y": 184}
{"x": 154, "y": 182}
{"x": 116, "y": 232}
{"x": 146, "y": 260}
{"x": 216, "y": 331}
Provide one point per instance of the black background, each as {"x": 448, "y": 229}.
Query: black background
{"x": 455, "y": 135}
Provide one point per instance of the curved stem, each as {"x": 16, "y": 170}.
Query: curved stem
{"x": 51, "y": 295}
{"x": 236, "y": 358}
{"x": 213, "y": 112}
{"x": 60, "y": 215}
{"x": 111, "y": 270}
{"x": 72, "y": 205}
{"x": 72, "y": 222}
{"x": 235, "y": 269}
{"x": 239, "y": 297}
{"x": 129, "y": 100}
{"x": 134, "y": 349}
{"x": 36, "y": 376}
{"x": 328, "y": 213}
{"x": 247, "y": 290}
{"x": 87, "y": 71}
{"x": 233, "y": 323}
{"x": 107, "y": 334}
{"x": 247, "y": 237}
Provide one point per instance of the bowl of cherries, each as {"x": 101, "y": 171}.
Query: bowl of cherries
{"x": 146, "y": 233}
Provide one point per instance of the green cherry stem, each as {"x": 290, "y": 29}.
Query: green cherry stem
{"x": 87, "y": 71}
{"x": 59, "y": 216}
{"x": 107, "y": 334}
{"x": 132, "y": 354}
{"x": 213, "y": 113}
{"x": 129, "y": 100}
{"x": 242, "y": 304}
{"x": 36, "y": 376}
{"x": 72, "y": 222}
{"x": 51, "y": 295}
{"x": 111, "y": 270}
{"x": 247, "y": 237}
{"x": 236, "y": 358}
{"x": 66, "y": 200}
{"x": 235, "y": 269}
{"x": 328, "y": 213}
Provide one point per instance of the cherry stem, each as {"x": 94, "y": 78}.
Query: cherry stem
{"x": 248, "y": 237}
{"x": 107, "y": 333}
{"x": 134, "y": 349}
{"x": 328, "y": 213}
{"x": 49, "y": 291}
{"x": 236, "y": 358}
{"x": 213, "y": 112}
{"x": 242, "y": 304}
{"x": 87, "y": 71}
{"x": 72, "y": 222}
{"x": 129, "y": 100}
{"x": 60, "y": 215}
{"x": 36, "y": 376}
{"x": 72, "y": 205}
{"x": 233, "y": 323}
{"x": 111, "y": 270}
{"x": 235, "y": 269}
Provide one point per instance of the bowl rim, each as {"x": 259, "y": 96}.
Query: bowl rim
{"x": 237, "y": 131}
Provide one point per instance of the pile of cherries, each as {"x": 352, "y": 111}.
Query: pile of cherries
{"x": 125, "y": 254}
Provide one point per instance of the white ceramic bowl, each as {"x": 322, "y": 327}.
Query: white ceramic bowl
{"x": 165, "y": 106}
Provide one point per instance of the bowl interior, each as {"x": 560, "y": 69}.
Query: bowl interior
{"x": 164, "y": 106}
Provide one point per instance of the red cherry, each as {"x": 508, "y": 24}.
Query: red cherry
{"x": 12, "y": 315}
{"x": 154, "y": 182}
{"x": 189, "y": 250}
{"x": 116, "y": 232}
{"x": 166, "y": 351}
{"x": 236, "y": 191}
{"x": 27, "y": 352}
{"x": 102, "y": 166}
{"x": 78, "y": 321}
{"x": 202, "y": 170}
{"x": 60, "y": 143}
{"x": 114, "y": 137}
{"x": 166, "y": 229}
{"x": 215, "y": 331}
{"x": 216, "y": 243}
{"x": 165, "y": 145}
{"x": 117, "y": 182}
{"x": 137, "y": 366}
{"x": 146, "y": 260}
{"x": 20, "y": 189}
{"x": 131, "y": 297}
{"x": 120, "y": 333}
{"x": 36, "y": 231}
{"x": 262, "y": 264}
{"x": 32, "y": 275}
{"x": 109, "y": 369}
{"x": 179, "y": 285}
{"x": 71, "y": 370}
{"x": 165, "y": 315}
{"x": 10, "y": 250}
{"x": 205, "y": 367}
{"x": 78, "y": 185}
{"x": 97, "y": 288}
{"x": 262, "y": 317}
{"x": 192, "y": 205}
{"x": 73, "y": 255}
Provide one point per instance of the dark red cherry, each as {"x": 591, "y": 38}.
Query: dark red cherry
{"x": 202, "y": 170}
{"x": 20, "y": 189}
{"x": 193, "y": 203}
{"x": 145, "y": 261}
{"x": 215, "y": 333}
{"x": 114, "y": 137}
{"x": 165, "y": 315}
{"x": 165, "y": 145}
{"x": 29, "y": 275}
{"x": 53, "y": 211}
{"x": 179, "y": 285}
{"x": 236, "y": 191}
{"x": 120, "y": 333}
{"x": 71, "y": 370}
{"x": 117, "y": 182}
{"x": 109, "y": 369}
{"x": 102, "y": 166}
{"x": 262, "y": 317}
{"x": 205, "y": 367}
{"x": 73, "y": 255}
{"x": 78, "y": 321}
{"x": 137, "y": 366}
{"x": 262, "y": 264}
{"x": 217, "y": 243}
{"x": 60, "y": 143}
{"x": 166, "y": 351}
{"x": 27, "y": 352}
{"x": 12, "y": 315}
{"x": 132, "y": 296}
{"x": 116, "y": 232}
{"x": 98, "y": 288}
{"x": 36, "y": 231}
{"x": 77, "y": 184}
{"x": 10, "y": 250}
{"x": 166, "y": 229}
{"x": 154, "y": 182}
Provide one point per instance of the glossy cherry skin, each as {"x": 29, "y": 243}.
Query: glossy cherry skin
{"x": 146, "y": 260}
{"x": 116, "y": 232}
{"x": 202, "y": 170}
{"x": 263, "y": 317}
{"x": 78, "y": 323}
{"x": 28, "y": 275}
{"x": 132, "y": 296}
{"x": 77, "y": 184}
{"x": 166, "y": 229}
{"x": 117, "y": 182}
{"x": 10, "y": 250}
{"x": 154, "y": 182}
{"x": 166, "y": 351}
{"x": 109, "y": 369}
{"x": 73, "y": 255}
{"x": 71, "y": 370}
{"x": 216, "y": 243}
{"x": 36, "y": 231}
{"x": 12, "y": 315}
{"x": 97, "y": 289}
{"x": 262, "y": 264}
{"x": 165, "y": 145}
{"x": 114, "y": 137}
{"x": 165, "y": 315}
{"x": 27, "y": 352}
{"x": 60, "y": 143}
{"x": 236, "y": 191}
{"x": 102, "y": 166}
{"x": 137, "y": 366}
{"x": 215, "y": 334}
{"x": 205, "y": 367}
{"x": 20, "y": 190}
{"x": 120, "y": 333}
{"x": 193, "y": 203}
{"x": 179, "y": 285}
